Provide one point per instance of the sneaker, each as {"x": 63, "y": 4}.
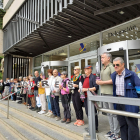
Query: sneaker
{"x": 53, "y": 116}
{"x": 108, "y": 134}
{"x": 64, "y": 120}
{"x": 68, "y": 121}
{"x": 80, "y": 123}
{"x": 114, "y": 137}
{"x": 76, "y": 122}
{"x": 42, "y": 112}
{"x": 50, "y": 114}
{"x": 58, "y": 118}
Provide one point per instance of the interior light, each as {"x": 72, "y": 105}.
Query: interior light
{"x": 127, "y": 36}
{"x": 69, "y": 36}
{"x": 121, "y": 12}
{"x": 118, "y": 36}
{"x": 31, "y": 53}
{"x": 122, "y": 34}
{"x": 138, "y": 51}
{"x": 126, "y": 32}
{"x": 131, "y": 35}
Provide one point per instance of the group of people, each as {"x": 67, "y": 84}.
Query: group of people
{"x": 116, "y": 81}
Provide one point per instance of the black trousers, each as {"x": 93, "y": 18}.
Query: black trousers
{"x": 24, "y": 96}
{"x": 77, "y": 103}
{"x": 14, "y": 97}
{"x": 86, "y": 109}
{"x": 66, "y": 105}
{"x": 128, "y": 126}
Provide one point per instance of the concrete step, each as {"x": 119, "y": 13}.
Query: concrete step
{"x": 22, "y": 131}
{"x": 40, "y": 127}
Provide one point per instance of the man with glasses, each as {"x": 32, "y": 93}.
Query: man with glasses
{"x": 124, "y": 83}
{"x": 106, "y": 88}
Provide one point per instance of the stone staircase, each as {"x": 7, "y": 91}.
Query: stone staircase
{"x": 23, "y": 126}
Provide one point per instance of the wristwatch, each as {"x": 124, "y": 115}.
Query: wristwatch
{"x": 88, "y": 89}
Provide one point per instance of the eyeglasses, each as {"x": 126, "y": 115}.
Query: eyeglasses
{"x": 75, "y": 69}
{"x": 116, "y": 65}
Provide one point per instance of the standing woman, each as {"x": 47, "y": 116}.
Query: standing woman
{"x": 41, "y": 92}
{"x": 48, "y": 91}
{"x": 77, "y": 103}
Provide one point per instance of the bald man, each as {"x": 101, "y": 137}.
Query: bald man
{"x": 37, "y": 79}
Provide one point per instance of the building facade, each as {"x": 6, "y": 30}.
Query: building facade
{"x": 42, "y": 34}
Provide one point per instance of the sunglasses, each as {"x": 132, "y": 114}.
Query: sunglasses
{"x": 75, "y": 69}
{"x": 116, "y": 65}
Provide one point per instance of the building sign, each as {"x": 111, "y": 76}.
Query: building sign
{"x": 122, "y": 31}
{"x": 82, "y": 47}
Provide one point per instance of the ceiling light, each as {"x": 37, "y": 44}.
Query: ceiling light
{"x": 127, "y": 36}
{"x": 122, "y": 34}
{"x": 121, "y": 12}
{"x": 131, "y": 35}
{"x": 69, "y": 36}
{"x": 30, "y": 53}
{"x": 126, "y": 32}
{"x": 138, "y": 51}
{"x": 118, "y": 36}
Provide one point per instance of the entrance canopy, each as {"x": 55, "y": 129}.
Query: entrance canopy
{"x": 43, "y": 25}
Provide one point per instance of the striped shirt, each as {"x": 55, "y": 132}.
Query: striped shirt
{"x": 120, "y": 83}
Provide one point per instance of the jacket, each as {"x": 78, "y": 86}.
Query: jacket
{"x": 65, "y": 85}
{"x": 130, "y": 81}
{"x": 48, "y": 89}
{"x": 92, "y": 82}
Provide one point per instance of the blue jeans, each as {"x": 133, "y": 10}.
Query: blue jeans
{"x": 55, "y": 106}
{"x": 49, "y": 102}
{"x": 12, "y": 97}
{"x": 35, "y": 94}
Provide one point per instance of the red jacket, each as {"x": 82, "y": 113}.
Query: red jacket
{"x": 32, "y": 89}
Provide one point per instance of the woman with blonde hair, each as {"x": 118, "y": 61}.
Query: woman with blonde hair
{"x": 77, "y": 103}
{"x": 42, "y": 95}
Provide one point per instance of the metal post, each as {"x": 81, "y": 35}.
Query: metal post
{"x": 55, "y": 7}
{"x": 8, "y": 108}
{"x": 60, "y": 6}
{"x": 65, "y": 3}
{"x": 91, "y": 118}
{"x": 48, "y": 11}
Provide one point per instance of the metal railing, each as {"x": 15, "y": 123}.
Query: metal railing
{"x": 119, "y": 100}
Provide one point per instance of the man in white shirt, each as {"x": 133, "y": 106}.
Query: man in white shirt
{"x": 56, "y": 93}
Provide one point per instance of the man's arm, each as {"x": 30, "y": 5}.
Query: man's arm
{"x": 100, "y": 82}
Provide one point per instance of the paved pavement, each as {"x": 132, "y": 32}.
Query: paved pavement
{"x": 103, "y": 120}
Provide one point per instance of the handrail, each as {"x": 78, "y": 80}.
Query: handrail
{"x": 119, "y": 100}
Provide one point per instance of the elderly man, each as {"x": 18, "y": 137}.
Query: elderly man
{"x": 124, "y": 82}
{"x": 56, "y": 93}
{"x": 107, "y": 90}
{"x": 89, "y": 84}
{"x": 37, "y": 79}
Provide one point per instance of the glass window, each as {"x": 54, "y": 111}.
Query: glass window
{"x": 72, "y": 68}
{"x": 134, "y": 61}
{"x": 37, "y": 61}
{"x": 128, "y": 31}
{"x": 92, "y": 62}
{"x": 59, "y": 54}
{"x": 86, "y": 45}
{"x": 39, "y": 70}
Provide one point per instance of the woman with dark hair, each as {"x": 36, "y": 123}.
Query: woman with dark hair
{"x": 65, "y": 98}
{"x": 48, "y": 91}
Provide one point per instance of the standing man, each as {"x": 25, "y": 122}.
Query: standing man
{"x": 124, "y": 82}
{"x": 89, "y": 84}
{"x": 107, "y": 90}
{"x": 37, "y": 79}
{"x": 56, "y": 93}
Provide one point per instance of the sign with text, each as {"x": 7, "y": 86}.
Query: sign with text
{"x": 45, "y": 83}
{"x": 70, "y": 85}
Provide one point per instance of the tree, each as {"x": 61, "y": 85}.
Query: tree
{"x": 1, "y": 4}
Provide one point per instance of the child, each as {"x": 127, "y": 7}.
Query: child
{"x": 31, "y": 93}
